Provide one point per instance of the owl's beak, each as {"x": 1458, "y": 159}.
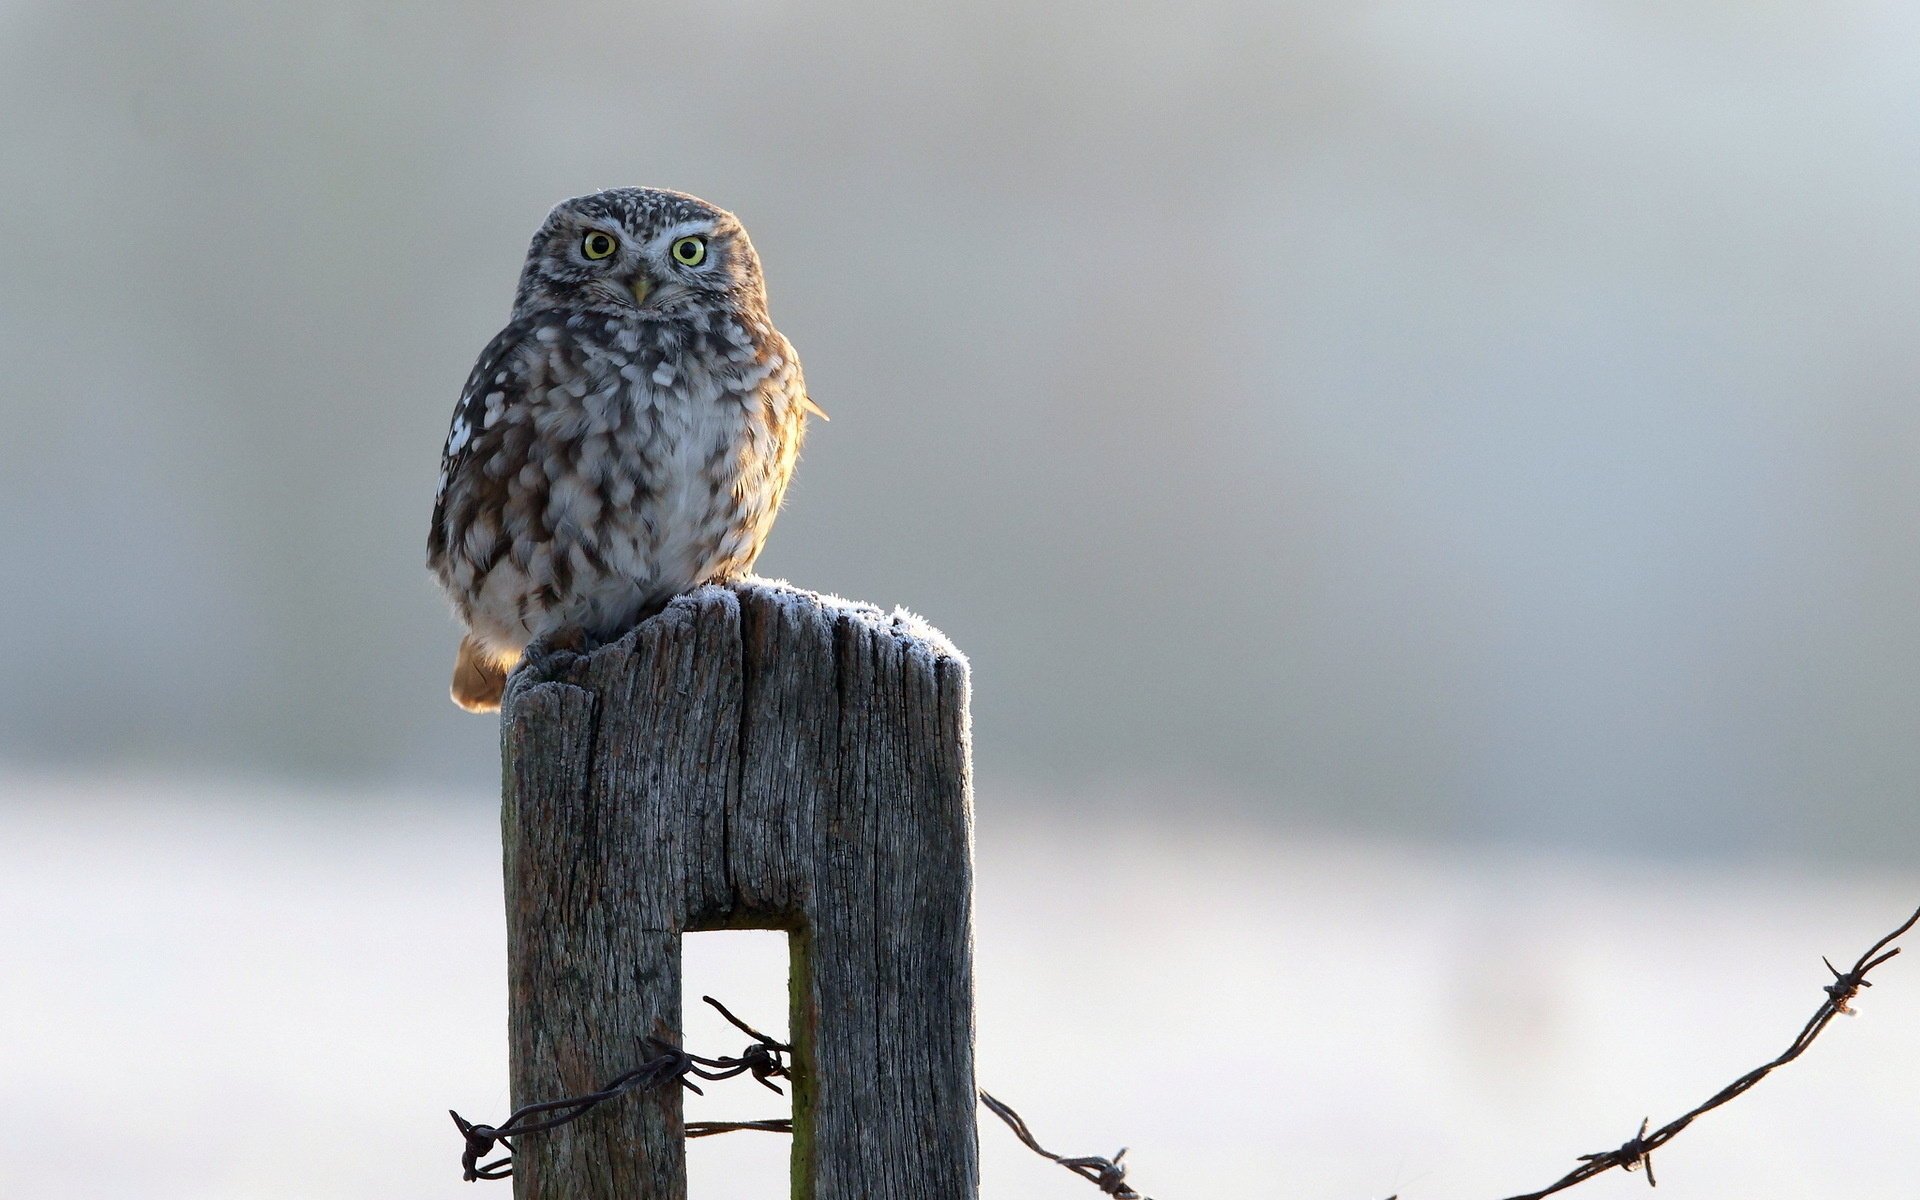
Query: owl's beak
{"x": 642, "y": 288}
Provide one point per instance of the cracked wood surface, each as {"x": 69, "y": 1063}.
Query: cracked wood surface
{"x": 755, "y": 756}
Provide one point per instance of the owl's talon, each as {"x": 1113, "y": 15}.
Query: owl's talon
{"x": 559, "y": 647}
{"x": 568, "y": 641}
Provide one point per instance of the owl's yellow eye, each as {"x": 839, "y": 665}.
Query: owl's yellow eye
{"x": 597, "y": 245}
{"x": 689, "y": 251}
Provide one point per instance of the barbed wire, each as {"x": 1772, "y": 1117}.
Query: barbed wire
{"x": 766, "y": 1059}
{"x": 1107, "y": 1174}
{"x": 1637, "y": 1151}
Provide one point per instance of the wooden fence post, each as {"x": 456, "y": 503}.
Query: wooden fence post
{"x": 755, "y": 756}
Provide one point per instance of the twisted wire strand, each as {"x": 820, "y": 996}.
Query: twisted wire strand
{"x": 766, "y": 1059}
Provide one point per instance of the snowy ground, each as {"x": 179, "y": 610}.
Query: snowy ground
{"x": 227, "y": 994}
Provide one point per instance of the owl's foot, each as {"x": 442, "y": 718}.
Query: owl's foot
{"x": 570, "y": 640}
{"x": 479, "y": 677}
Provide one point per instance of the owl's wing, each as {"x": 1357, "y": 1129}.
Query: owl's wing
{"x": 499, "y": 381}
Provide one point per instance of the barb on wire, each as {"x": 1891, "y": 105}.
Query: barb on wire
{"x": 764, "y": 1059}
{"x": 1108, "y": 1174}
{"x": 1637, "y": 1151}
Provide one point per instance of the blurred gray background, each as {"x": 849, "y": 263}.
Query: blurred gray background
{"x": 1430, "y": 493}
{"x": 1491, "y": 420}
{"x": 1479, "y": 419}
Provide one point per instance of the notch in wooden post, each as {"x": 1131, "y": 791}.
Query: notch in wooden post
{"x": 756, "y": 756}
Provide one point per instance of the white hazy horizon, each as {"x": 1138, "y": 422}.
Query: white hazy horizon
{"x": 213, "y": 997}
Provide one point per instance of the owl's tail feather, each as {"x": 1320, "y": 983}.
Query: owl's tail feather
{"x": 479, "y": 677}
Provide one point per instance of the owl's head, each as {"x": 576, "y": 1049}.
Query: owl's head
{"x": 640, "y": 250}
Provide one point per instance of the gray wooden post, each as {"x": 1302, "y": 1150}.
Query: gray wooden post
{"x": 753, "y": 757}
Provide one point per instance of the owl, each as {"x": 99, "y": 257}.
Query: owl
{"x": 628, "y": 436}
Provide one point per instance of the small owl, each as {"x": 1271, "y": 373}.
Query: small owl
{"x": 628, "y": 436}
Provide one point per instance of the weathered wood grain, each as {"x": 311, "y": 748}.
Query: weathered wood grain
{"x": 756, "y": 756}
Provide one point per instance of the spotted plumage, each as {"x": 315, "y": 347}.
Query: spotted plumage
{"x": 628, "y": 436}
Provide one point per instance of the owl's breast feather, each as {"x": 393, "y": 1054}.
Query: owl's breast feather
{"x": 637, "y": 463}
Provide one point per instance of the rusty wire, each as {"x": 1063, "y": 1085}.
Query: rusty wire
{"x": 1107, "y": 1174}
{"x": 766, "y": 1059}
{"x": 1637, "y": 1151}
